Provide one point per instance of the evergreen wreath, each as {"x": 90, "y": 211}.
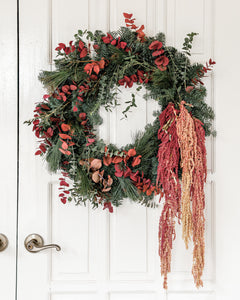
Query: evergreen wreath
{"x": 168, "y": 158}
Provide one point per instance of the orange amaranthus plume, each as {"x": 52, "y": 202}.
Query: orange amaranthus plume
{"x": 187, "y": 141}
{"x": 191, "y": 137}
{"x": 167, "y": 176}
{"x": 198, "y": 204}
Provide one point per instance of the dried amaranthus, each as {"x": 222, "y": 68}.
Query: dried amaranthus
{"x": 187, "y": 141}
{"x": 198, "y": 203}
{"x": 167, "y": 176}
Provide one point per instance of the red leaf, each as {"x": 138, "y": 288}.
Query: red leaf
{"x": 83, "y": 123}
{"x": 119, "y": 172}
{"x": 107, "y": 39}
{"x": 65, "y": 127}
{"x": 109, "y": 206}
{"x": 129, "y": 21}
{"x": 127, "y": 16}
{"x": 65, "y": 88}
{"x": 132, "y": 152}
{"x": 38, "y": 152}
{"x": 65, "y": 151}
{"x": 155, "y": 45}
{"x": 189, "y": 88}
{"x": 64, "y": 136}
{"x": 82, "y": 116}
{"x": 44, "y": 106}
{"x": 60, "y": 46}
{"x": 136, "y": 160}
{"x": 158, "y": 52}
{"x": 73, "y": 87}
{"x": 101, "y": 63}
{"x": 134, "y": 78}
{"x": 90, "y": 141}
{"x": 117, "y": 160}
{"x": 67, "y": 50}
{"x": 107, "y": 160}
{"x": 96, "y": 68}
{"x": 64, "y": 200}
{"x": 75, "y": 109}
{"x": 83, "y": 53}
{"x": 43, "y": 148}
{"x": 88, "y": 68}
{"x": 46, "y": 96}
{"x": 64, "y": 145}
{"x": 81, "y": 45}
{"x": 127, "y": 172}
{"x": 50, "y": 132}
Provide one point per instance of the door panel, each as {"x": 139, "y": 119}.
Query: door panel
{"x": 8, "y": 149}
{"x": 34, "y": 179}
{"x": 103, "y": 256}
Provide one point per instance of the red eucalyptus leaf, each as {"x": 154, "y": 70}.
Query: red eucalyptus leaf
{"x": 107, "y": 160}
{"x": 136, "y": 160}
{"x": 38, "y": 152}
{"x": 65, "y": 127}
{"x": 64, "y": 200}
{"x": 44, "y": 106}
{"x": 127, "y": 16}
{"x": 64, "y": 183}
{"x": 65, "y": 88}
{"x": 158, "y": 52}
{"x": 50, "y": 132}
{"x": 82, "y": 116}
{"x": 65, "y": 151}
{"x": 117, "y": 160}
{"x": 155, "y": 45}
{"x": 64, "y": 146}
{"x": 65, "y": 136}
{"x": 75, "y": 109}
{"x": 90, "y": 141}
{"x": 83, "y": 53}
{"x": 132, "y": 152}
{"x": 43, "y": 148}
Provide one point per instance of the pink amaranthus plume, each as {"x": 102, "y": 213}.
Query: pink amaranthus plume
{"x": 167, "y": 176}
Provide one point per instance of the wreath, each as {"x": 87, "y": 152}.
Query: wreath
{"x": 167, "y": 159}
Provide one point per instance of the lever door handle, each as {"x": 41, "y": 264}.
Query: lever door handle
{"x": 3, "y": 242}
{"x": 34, "y": 243}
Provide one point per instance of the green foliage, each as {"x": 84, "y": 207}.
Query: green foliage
{"x": 187, "y": 45}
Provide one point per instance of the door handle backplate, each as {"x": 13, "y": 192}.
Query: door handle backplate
{"x": 3, "y": 242}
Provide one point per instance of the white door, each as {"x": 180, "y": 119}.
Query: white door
{"x": 115, "y": 256}
{"x": 8, "y": 148}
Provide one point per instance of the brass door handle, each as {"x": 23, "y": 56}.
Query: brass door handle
{"x": 34, "y": 243}
{"x": 3, "y": 242}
